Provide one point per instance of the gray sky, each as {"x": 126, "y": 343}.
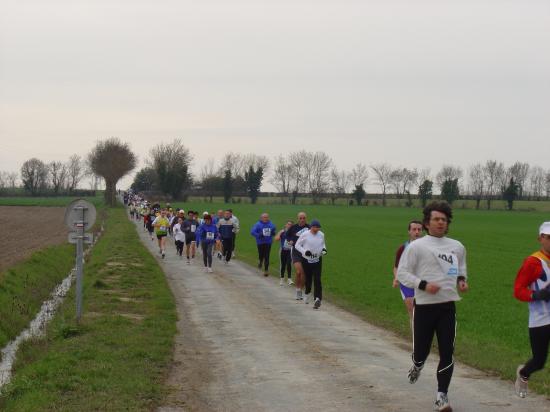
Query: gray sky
{"x": 413, "y": 83}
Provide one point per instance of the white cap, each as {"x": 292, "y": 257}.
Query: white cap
{"x": 544, "y": 229}
{"x": 204, "y": 213}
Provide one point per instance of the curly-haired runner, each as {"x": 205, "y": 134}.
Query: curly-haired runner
{"x": 435, "y": 266}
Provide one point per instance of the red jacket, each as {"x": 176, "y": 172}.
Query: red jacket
{"x": 530, "y": 271}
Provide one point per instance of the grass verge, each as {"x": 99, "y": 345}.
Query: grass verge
{"x": 117, "y": 358}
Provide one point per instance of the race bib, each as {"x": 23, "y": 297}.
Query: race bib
{"x": 210, "y": 235}
{"x": 162, "y": 228}
{"x": 266, "y": 231}
{"x": 286, "y": 245}
{"x": 448, "y": 263}
{"x": 193, "y": 228}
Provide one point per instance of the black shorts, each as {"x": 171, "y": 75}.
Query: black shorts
{"x": 296, "y": 256}
{"x": 160, "y": 236}
{"x": 190, "y": 237}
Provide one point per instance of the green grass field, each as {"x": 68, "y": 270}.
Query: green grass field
{"x": 47, "y": 201}
{"x": 117, "y": 359}
{"x": 357, "y": 273}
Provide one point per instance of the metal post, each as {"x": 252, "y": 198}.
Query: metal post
{"x": 79, "y": 266}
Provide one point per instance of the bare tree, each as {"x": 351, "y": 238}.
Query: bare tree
{"x": 317, "y": 173}
{"x": 3, "y": 180}
{"x": 446, "y": 174}
{"x": 339, "y": 184}
{"x": 547, "y": 184}
{"x": 519, "y": 172}
{"x": 34, "y": 174}
{"x": 282, "y": 174}
{"x": 492, "y": 170}
{"x": 235, "y": 163}
{"x": 396, "y": 177}
{"x": 255, "y": 161}
{"x": 423, "y": 175}
{"x": 111, "y": 159}
{"x": 12, "y": 178}
{"x": 58, "y": 175}
{"x": 75, "y": 172}
{"x": 298, "y": 182}
{"x": 359, "y": 175}
{"x": 382, "y": 173}
{"x": 477, "y": 182}
{"x": 537, "y": 182}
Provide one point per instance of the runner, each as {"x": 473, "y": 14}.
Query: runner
{"x": 264, "y": 231}
{"x": 218, "y": 217}
{"x": 311, "y": 245}
{"x": 179, "y": 236}
{"x": 227, "y": 228}
{"x": 234, "y": 239}
{"x": 415, "y": 232}
{"x": 292, "y": 236}
{"x": 161, "y": 230}
{"x": 189, "y": 228}
{"x": 207, "y": 237}
{"x": 284, "y": 254}
{"x": 150, "y": 218}
{"x": 435, "y": 266}
{"x": 533, "y": 285}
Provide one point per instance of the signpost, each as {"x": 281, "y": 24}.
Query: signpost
{"x": 80, "y": 216}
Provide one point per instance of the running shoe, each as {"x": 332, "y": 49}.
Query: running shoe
{"x": 317, "y": 303}
{"x": 441, "y": 403}
{"x": 266, "y": 274}
{"x": 210, "y": 270}
{"x": 290, "y": 282}
{"x": 298, "y": 294}
{"x": 281, "y": 282}
{"x": 206, "y": 269}
{"x": 188, "y": 261}
{"x": 163, "y": 255}
{"x": 220, "y": 255}
{"x": 521, "y": 383}
{"x": 414, "y": 374}
{"x": 306, "y": 298}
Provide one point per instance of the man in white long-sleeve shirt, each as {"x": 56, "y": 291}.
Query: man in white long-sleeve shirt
{"x": 311, "y": 245}
{"x": 435, "y": 266}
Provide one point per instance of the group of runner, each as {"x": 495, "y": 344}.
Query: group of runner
{"x": 429, "y": 270}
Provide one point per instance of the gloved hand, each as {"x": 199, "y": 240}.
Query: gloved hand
{"x": 324, "y": 251}
{"x": 543, "y": 294}
{"x": 308, "y": 253}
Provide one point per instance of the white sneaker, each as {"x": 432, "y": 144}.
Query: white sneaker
{"x": 414, "y": 373}
{"x": 441, "y": 403}
{"x": 520, "y": 384}
{"x": 206, "y": 270}
{"x": 290, "y": 282}
{"x": 299, "y": 294}
{"x": 306, "y": 298}
{"x": 281, "y": 282}
{"x": 210, "y": 270}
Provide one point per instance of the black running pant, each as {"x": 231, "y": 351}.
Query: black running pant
{"x": 233, "y": 242}
{"x": 207, "y": 253}
{"x": 540, "y": 340}
{"x": 438, "y": 319}
{"x": 313, "y": 275}
{"x": 263, "y": 254}
{"x": 179, "y": 247}
{"x": 286, "y": 263}
{"x": 227, "y": 245}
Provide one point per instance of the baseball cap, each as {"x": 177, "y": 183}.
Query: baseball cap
{"x": 204, "y": 213}
{"x": 316, "y": 223}
{"x": 544, "y": 229}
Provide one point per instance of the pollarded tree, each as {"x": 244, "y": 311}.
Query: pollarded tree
{"x": 58, "y": 175}
{"x": 75, "y": 172}
{"x": 491, "y": 172}
{"x": 111, "y": 159}
{"x": 382, "y": 173}
{"x": 34, "y": 174}
{"x": 477, "y": 183}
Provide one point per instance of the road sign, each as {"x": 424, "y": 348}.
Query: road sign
{"x": 86, "y": 237}
{"x": 80, "y": 214}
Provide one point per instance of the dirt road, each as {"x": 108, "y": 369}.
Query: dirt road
{"x": 245, "y": 344}
{"x": 26, "y": 229}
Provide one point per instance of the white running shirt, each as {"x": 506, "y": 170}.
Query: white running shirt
{"x": 315, "y": 243}
{"x": 433, "y": 259}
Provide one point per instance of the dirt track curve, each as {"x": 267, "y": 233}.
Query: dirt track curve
{"x": 244, "y": 344}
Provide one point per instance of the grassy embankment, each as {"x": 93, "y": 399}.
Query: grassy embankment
{"x": 357, "y": 272}
{"x": 117, "y": 358}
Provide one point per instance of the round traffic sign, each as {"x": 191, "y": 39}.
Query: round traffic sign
{"x": 80, "y": 214}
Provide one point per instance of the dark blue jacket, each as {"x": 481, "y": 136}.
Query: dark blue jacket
{"x": 263, "y": 232}
{"x": 202, "y": 233}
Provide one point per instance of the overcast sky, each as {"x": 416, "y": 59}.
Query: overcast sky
{"x": 412, "y": 83}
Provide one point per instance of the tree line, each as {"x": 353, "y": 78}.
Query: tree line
{"x": 168, "y": 171}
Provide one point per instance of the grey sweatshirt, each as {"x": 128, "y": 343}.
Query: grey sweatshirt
{"x": 435, "y": 260}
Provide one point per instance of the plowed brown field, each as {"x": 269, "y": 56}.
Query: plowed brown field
{"x": 24, "y": 230}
